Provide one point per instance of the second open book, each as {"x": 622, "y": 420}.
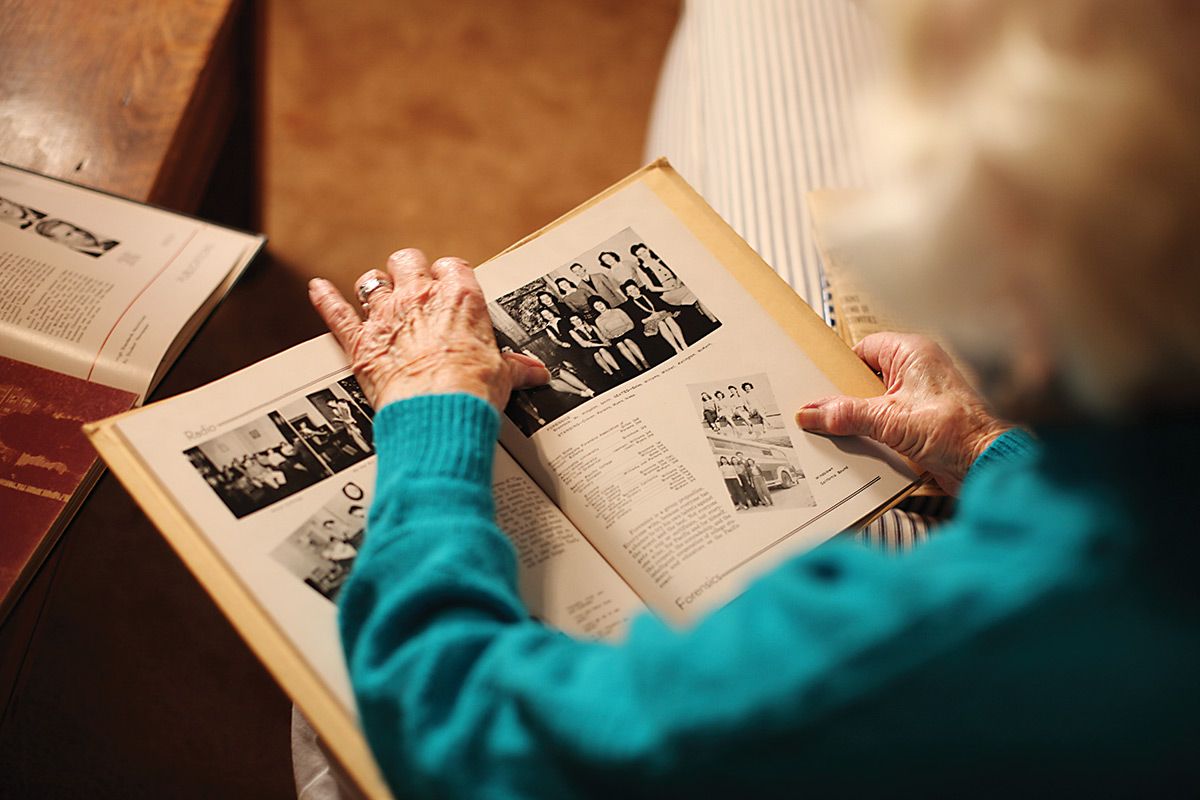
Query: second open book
{"x": 661, "y": 468}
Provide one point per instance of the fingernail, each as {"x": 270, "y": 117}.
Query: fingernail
{"x": 808, "y": 416}
{"x": 531, "y": 359}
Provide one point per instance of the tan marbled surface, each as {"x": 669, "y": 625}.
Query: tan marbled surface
{"x": 456, "y": 127}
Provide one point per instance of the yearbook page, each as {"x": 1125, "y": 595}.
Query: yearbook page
{"x": 273, "y": 470}
{"x": 667, "y": 432}
{"x": 562, "y": 579}
{"x": 660, "y": 467}
{"x": 101, "y": 288}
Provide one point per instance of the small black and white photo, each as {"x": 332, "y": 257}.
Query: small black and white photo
{"x": 752, "y": 451}
{"x": 256, "y": 465}
{"x": 342, "y": 432}
{"x": 74, "y": 237}
{"x": 611, "y": 314}
{"x": 355, "y": 393}
{"x": 321, "y": 552}
{"x": 18, "y": 215}
{"x": 286, "y": 450}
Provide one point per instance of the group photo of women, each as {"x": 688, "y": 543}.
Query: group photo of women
{"x": 741, "y": 420}
{"x": 745, "y": 482}
{"x": 739, "y": 409}
{"x": 608, "y": 316}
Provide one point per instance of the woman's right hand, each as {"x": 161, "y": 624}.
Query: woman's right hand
{"x": 426, "y": 331}
{"x": 929, "y": 413}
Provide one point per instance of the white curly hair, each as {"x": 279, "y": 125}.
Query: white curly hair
{"x": 1039, "y": 196}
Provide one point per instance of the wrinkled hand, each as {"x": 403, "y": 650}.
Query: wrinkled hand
{"x": 929, "y": 412}
{"x": 429, "y": 334}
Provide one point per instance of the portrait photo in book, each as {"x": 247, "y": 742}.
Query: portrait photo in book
{"x": 610, "y": 314}
{"x": 321, "y": 551}
{"x": 59, "y": 231}
{"x": 71, "y": 236}
{"x": 287, "y": 449}
{"x": 742, "y": 421}
{"x": 18, "y": 215}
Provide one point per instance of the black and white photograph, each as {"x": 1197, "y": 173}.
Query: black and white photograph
{"x": 344, "y": 433}
{"x": 611, "y": 314}
{"x": 74, "y": 237}
{"x": 321, "y": 552}
{"x": 18, "y": 215}
{"x": 751, "y": 448}
{"x": 59, "y": 231}
{"x": 286, "y": 450}
{"x": 355, "y": 393}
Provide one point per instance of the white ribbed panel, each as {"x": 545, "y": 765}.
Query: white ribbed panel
{"x": 754, "y": 109}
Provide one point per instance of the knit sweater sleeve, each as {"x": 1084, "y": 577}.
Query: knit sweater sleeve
{"x": 1013, "y": 444}
{"x": 461, "y": 693}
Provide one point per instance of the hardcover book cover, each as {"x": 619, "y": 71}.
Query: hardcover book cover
{"x": 47, "y": 464}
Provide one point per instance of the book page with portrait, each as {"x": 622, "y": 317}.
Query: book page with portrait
{"x": 103, "y": 288}
{"x": 666, "y": 434}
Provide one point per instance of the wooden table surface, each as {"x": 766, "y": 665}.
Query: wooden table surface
{"x": 118, "y": 676}
{"x": 127, "y": 96}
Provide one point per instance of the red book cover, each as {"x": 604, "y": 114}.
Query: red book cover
{"x": 47, "y": 465}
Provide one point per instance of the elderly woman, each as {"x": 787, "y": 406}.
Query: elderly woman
{"x": 1046, "y": 643}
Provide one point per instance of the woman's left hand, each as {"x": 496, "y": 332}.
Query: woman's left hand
{"x": 427, "y": 331}
{"x": 929, "y": 413}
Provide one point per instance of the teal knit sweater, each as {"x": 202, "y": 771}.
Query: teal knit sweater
{"x": 1047, "y": 643}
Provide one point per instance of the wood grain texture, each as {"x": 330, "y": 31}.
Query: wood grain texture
{"x": 455, "y": 127}
{"x": 121, "y": 95}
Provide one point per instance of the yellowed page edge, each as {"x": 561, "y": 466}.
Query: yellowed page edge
{"x": 847, "y": 372}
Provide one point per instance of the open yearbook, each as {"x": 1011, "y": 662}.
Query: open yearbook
{"x": 98, "y": 296}
{"x": 660, "y": 470}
